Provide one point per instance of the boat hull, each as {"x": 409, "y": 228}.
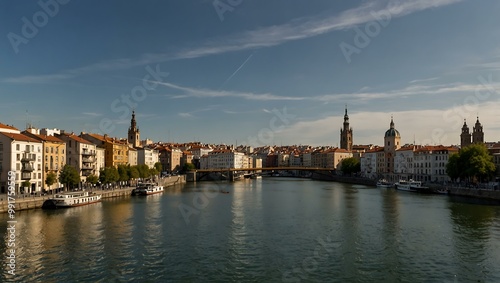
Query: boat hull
{"x": 67, "y": 203}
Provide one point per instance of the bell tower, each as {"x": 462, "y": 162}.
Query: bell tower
{"x": 465, "y": 136}
{"x": 134, "y": 136}
{"x": 477, "y": 133}
{"x": 346, "y": 134}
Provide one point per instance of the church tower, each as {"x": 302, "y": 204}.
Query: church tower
{"x": 477, "y": 132}
{"x": 465, "y": 135}
{"x": 346, "y": 134}
{"x": 392, "y": 142}
{"x": 134, "y": 136}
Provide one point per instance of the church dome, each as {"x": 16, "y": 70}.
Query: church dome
{"x": 392, "y": 132}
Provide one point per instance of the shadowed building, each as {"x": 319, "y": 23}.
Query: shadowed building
{"x": 346, "y": 134}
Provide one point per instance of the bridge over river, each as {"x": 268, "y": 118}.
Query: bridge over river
{"x": 194, "y": 175}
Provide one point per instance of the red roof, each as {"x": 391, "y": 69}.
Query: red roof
{"x": 76, "y": 138}
{"x": 3, "y": 126}
{"x": 19, "y": 137}
{"x": 44, "y": 137}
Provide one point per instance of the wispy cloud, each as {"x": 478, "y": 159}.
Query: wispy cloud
{"x": 411, "y": 90}
{"x": 208, "y": 93}
{"x": 297, "y": 29}
{"x": 191, "y": 113}
{"x": 93, "y": 114}
{"x": 424, "y": 80}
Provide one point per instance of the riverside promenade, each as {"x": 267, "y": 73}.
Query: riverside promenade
{"x": 25, "y": 202}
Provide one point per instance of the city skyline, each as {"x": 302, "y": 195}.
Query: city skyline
{"x": 219, "y": 78}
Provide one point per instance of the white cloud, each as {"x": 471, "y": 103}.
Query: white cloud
{"x": 296, "y": 29}
{"x": 208, "y": 93}
{"x": 440, "y": 126}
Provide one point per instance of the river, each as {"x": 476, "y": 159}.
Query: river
{"x": 265, "y": 230}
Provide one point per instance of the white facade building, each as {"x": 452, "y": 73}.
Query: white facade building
{"x": 148, "y": 156}
{"x": 22, "y": 155}
{"x": 221, "y": 159}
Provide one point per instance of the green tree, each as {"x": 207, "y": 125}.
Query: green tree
{"x": 134, "y": 172}
{"x": 153, "y": 172}
{"x": 26, "y": 184}
{"x": 109, "y": 175}
{"x": 453, "y": 166}
{"x": 350, "y": 165}
{"x": 93, "y": 179}
{"x": 188, "y": 167}
{"x": 69, "y": 176}
{"x": 123, "y": 172}
{"x": 50, "y": 179}
{"x": 158, "y": 167}
{"x": 144, "y": 171}
{"x": 473, "y": 163}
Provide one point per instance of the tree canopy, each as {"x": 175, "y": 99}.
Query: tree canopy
{"x": 69, "y": 176}
{"x": 158, "y": 167}
{"x": 50, "y": 179}
{"x": 473, "y": 163}
{"x": 188, "y": 167}
{"x": 93, "y": 179}
{"x": 109, "y": 175}
{"x": 350, "y": 165}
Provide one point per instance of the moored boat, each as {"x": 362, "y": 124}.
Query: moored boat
{"x": 410, "y": 186}
{"x": 383, "y": 183}
{"x": 70, "y": 200}
{"x": 144, "y": 189}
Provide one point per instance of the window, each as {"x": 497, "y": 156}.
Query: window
{"x": 17, "y": 147}
{"x": 18, "y": 166}
{"x": 46, "y": 150}
{"x": 18, "y": 157}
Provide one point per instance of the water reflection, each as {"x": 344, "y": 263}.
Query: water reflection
{"x": 472, "y": 240}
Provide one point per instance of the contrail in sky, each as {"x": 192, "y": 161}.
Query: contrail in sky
{"x": 231, "y": 76}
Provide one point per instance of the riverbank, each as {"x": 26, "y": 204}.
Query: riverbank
{"x": 452, "y": 191}
{"x": 31, "y": 202}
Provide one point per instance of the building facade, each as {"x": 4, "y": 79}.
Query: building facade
{"x": 23, "y": 155}
{"x": 53, "y": 155}
{"x": 80, "y": 154}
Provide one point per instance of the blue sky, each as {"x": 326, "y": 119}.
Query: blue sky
{"x": 255, "y": 72}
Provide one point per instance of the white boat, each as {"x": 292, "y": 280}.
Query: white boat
{"x": 410, "y": 186}
{"x": 256, "y": 177}
{"x": 71, "y": 199}
{"x": 383, "y": 183}
{"x": 144, "y": 189}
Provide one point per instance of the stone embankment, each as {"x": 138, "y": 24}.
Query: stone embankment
{"x": 32, "y": 202}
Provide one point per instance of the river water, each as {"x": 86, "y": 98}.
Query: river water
{"x": 266, "y": 230}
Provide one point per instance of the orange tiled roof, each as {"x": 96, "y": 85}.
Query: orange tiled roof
{"x": 3, "y": 126}
{"x": 19, "y": 137}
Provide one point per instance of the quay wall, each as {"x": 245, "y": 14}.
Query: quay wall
{"x": 327, "y": 176}
{"x": 30, "y": 202}
{"x": 452, "y": 191}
